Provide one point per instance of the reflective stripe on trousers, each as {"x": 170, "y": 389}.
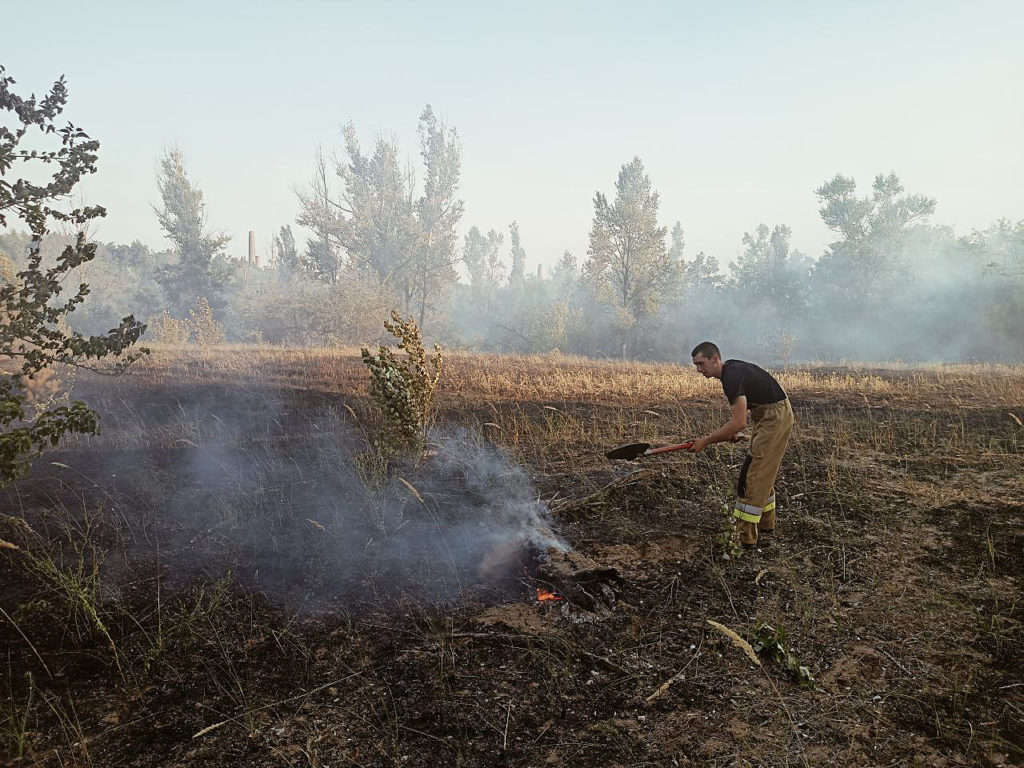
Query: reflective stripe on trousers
{"x": 748, "y": 513}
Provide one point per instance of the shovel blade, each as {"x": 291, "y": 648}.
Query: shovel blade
{"x": 629, "y": 452}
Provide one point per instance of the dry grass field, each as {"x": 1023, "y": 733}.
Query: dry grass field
{"x": 205, "y": 584}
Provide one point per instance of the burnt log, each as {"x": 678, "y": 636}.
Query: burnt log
{"x": 576, "y": 578}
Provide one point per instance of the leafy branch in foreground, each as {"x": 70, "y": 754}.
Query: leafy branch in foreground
{"x": 33, "y": 330}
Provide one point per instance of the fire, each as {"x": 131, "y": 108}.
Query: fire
{"x": 546, "y": 594}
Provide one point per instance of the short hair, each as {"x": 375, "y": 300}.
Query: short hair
{"x": 707, "y": 349}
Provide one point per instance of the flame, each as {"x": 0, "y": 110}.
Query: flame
{"x": 546, "y": 594}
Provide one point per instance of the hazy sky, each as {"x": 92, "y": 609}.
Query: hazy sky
{"x": 738, "y": 111}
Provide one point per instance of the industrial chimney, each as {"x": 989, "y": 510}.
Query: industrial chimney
{"x": 253, "y": 259}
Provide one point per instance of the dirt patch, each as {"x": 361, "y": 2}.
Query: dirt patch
{"x": 646, "y": 558}
{"x": 519, "y": 617}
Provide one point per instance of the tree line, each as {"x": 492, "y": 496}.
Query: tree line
{"x": 383, "y": 234}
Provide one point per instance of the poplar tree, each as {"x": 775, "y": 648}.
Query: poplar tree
{"x": 628, "y": 265}
{"x": 517, "y": 274}
{"x": 407, "y": 242}
{"x": 203, "y": 268}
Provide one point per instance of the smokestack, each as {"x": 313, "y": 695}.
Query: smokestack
{"x": 253, "y": 259}
{"x": 540, "y": 272}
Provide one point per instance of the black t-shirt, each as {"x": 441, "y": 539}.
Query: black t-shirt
{"x": 742, "y": 378}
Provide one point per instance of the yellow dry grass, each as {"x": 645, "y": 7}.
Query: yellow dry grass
{"x": 561, "y": 378}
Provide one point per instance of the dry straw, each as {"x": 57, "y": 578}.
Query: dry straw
{"x": 736, "y": 640}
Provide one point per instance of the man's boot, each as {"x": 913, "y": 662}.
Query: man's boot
{"x": 747, "y": 532}
{"x": 767, "y": 524}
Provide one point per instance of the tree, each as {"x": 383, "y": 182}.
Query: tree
{"x": 628, "y": 265}
{"x": 286, "y": 254}
{"x": 407, "y": 242}
{"x": 319, "y": 214}
{"x": 999, "y": 255}
{"x": 202, "y": 269}
{"x": 769, "y": 274}
{"x": 438, "y": 213}
{"x": 473, "y": 250}
{"x": 770, "y": 281}
{"x": 703, "y": 273}
{"x": 858, "y": 282}
{"x": 855, "y": 270}
{"x": 482, "y": 257}
{"x": 517, "y": 276}
{"x": 565, "y": 275}
{"x": 675, "y": 253}
{"x": 33, "y": 331}
{"x": 122, "y": 278}
{"x": 374, "y": 215}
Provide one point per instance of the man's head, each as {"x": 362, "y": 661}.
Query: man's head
{"x": 708, "y": 360}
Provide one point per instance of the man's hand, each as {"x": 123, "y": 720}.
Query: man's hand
{"x": 728, "y": 431}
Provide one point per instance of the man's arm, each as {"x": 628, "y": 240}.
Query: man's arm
{"x": 728, "y": 430}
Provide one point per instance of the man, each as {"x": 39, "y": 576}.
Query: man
{"x": 750, "y": 388}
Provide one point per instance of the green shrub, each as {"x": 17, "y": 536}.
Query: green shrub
{"x": 771, "y": 642}
{"x": 403, "y": 389}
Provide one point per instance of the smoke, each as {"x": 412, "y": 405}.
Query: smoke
{"x": 918, "y": 292}
{"x": 267, "y": 488}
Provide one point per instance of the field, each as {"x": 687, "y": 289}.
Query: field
{"x": 212, "y": 583}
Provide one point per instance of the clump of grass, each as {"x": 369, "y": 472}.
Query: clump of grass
{"x": 67, "y": 568}
{"x": 14, "y": 725}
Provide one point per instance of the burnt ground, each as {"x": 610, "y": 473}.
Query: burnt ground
{"x": 173, "y": 606}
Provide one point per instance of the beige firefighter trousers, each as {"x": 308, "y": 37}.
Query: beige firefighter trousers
{"x": 755, "y": 500}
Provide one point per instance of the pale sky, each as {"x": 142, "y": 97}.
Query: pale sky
{"x": 738, "y": 110}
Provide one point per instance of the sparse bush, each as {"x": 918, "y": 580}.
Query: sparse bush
{"x": 403, "y": 390}
{"x": 6, "y": 270}
{"x": 50, "y": 388}
{"x": 166, "y": 329}
{"x": 351, "y": 310}
{"x": 199, "y": 327}
{"x": 549, "y": 328}
{"x": 205, "y": 331}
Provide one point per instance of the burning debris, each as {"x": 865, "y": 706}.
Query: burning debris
{"x": 544, "y": 595}
{"x": 556, "y": 572}
{"x": 573, "y": 577}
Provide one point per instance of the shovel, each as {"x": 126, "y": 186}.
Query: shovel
{"x": 636, "y": 450}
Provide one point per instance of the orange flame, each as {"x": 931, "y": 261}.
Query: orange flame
{"x": 546, "y": 594}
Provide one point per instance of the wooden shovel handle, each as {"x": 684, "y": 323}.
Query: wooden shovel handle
{"x": 668, "y": 448}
